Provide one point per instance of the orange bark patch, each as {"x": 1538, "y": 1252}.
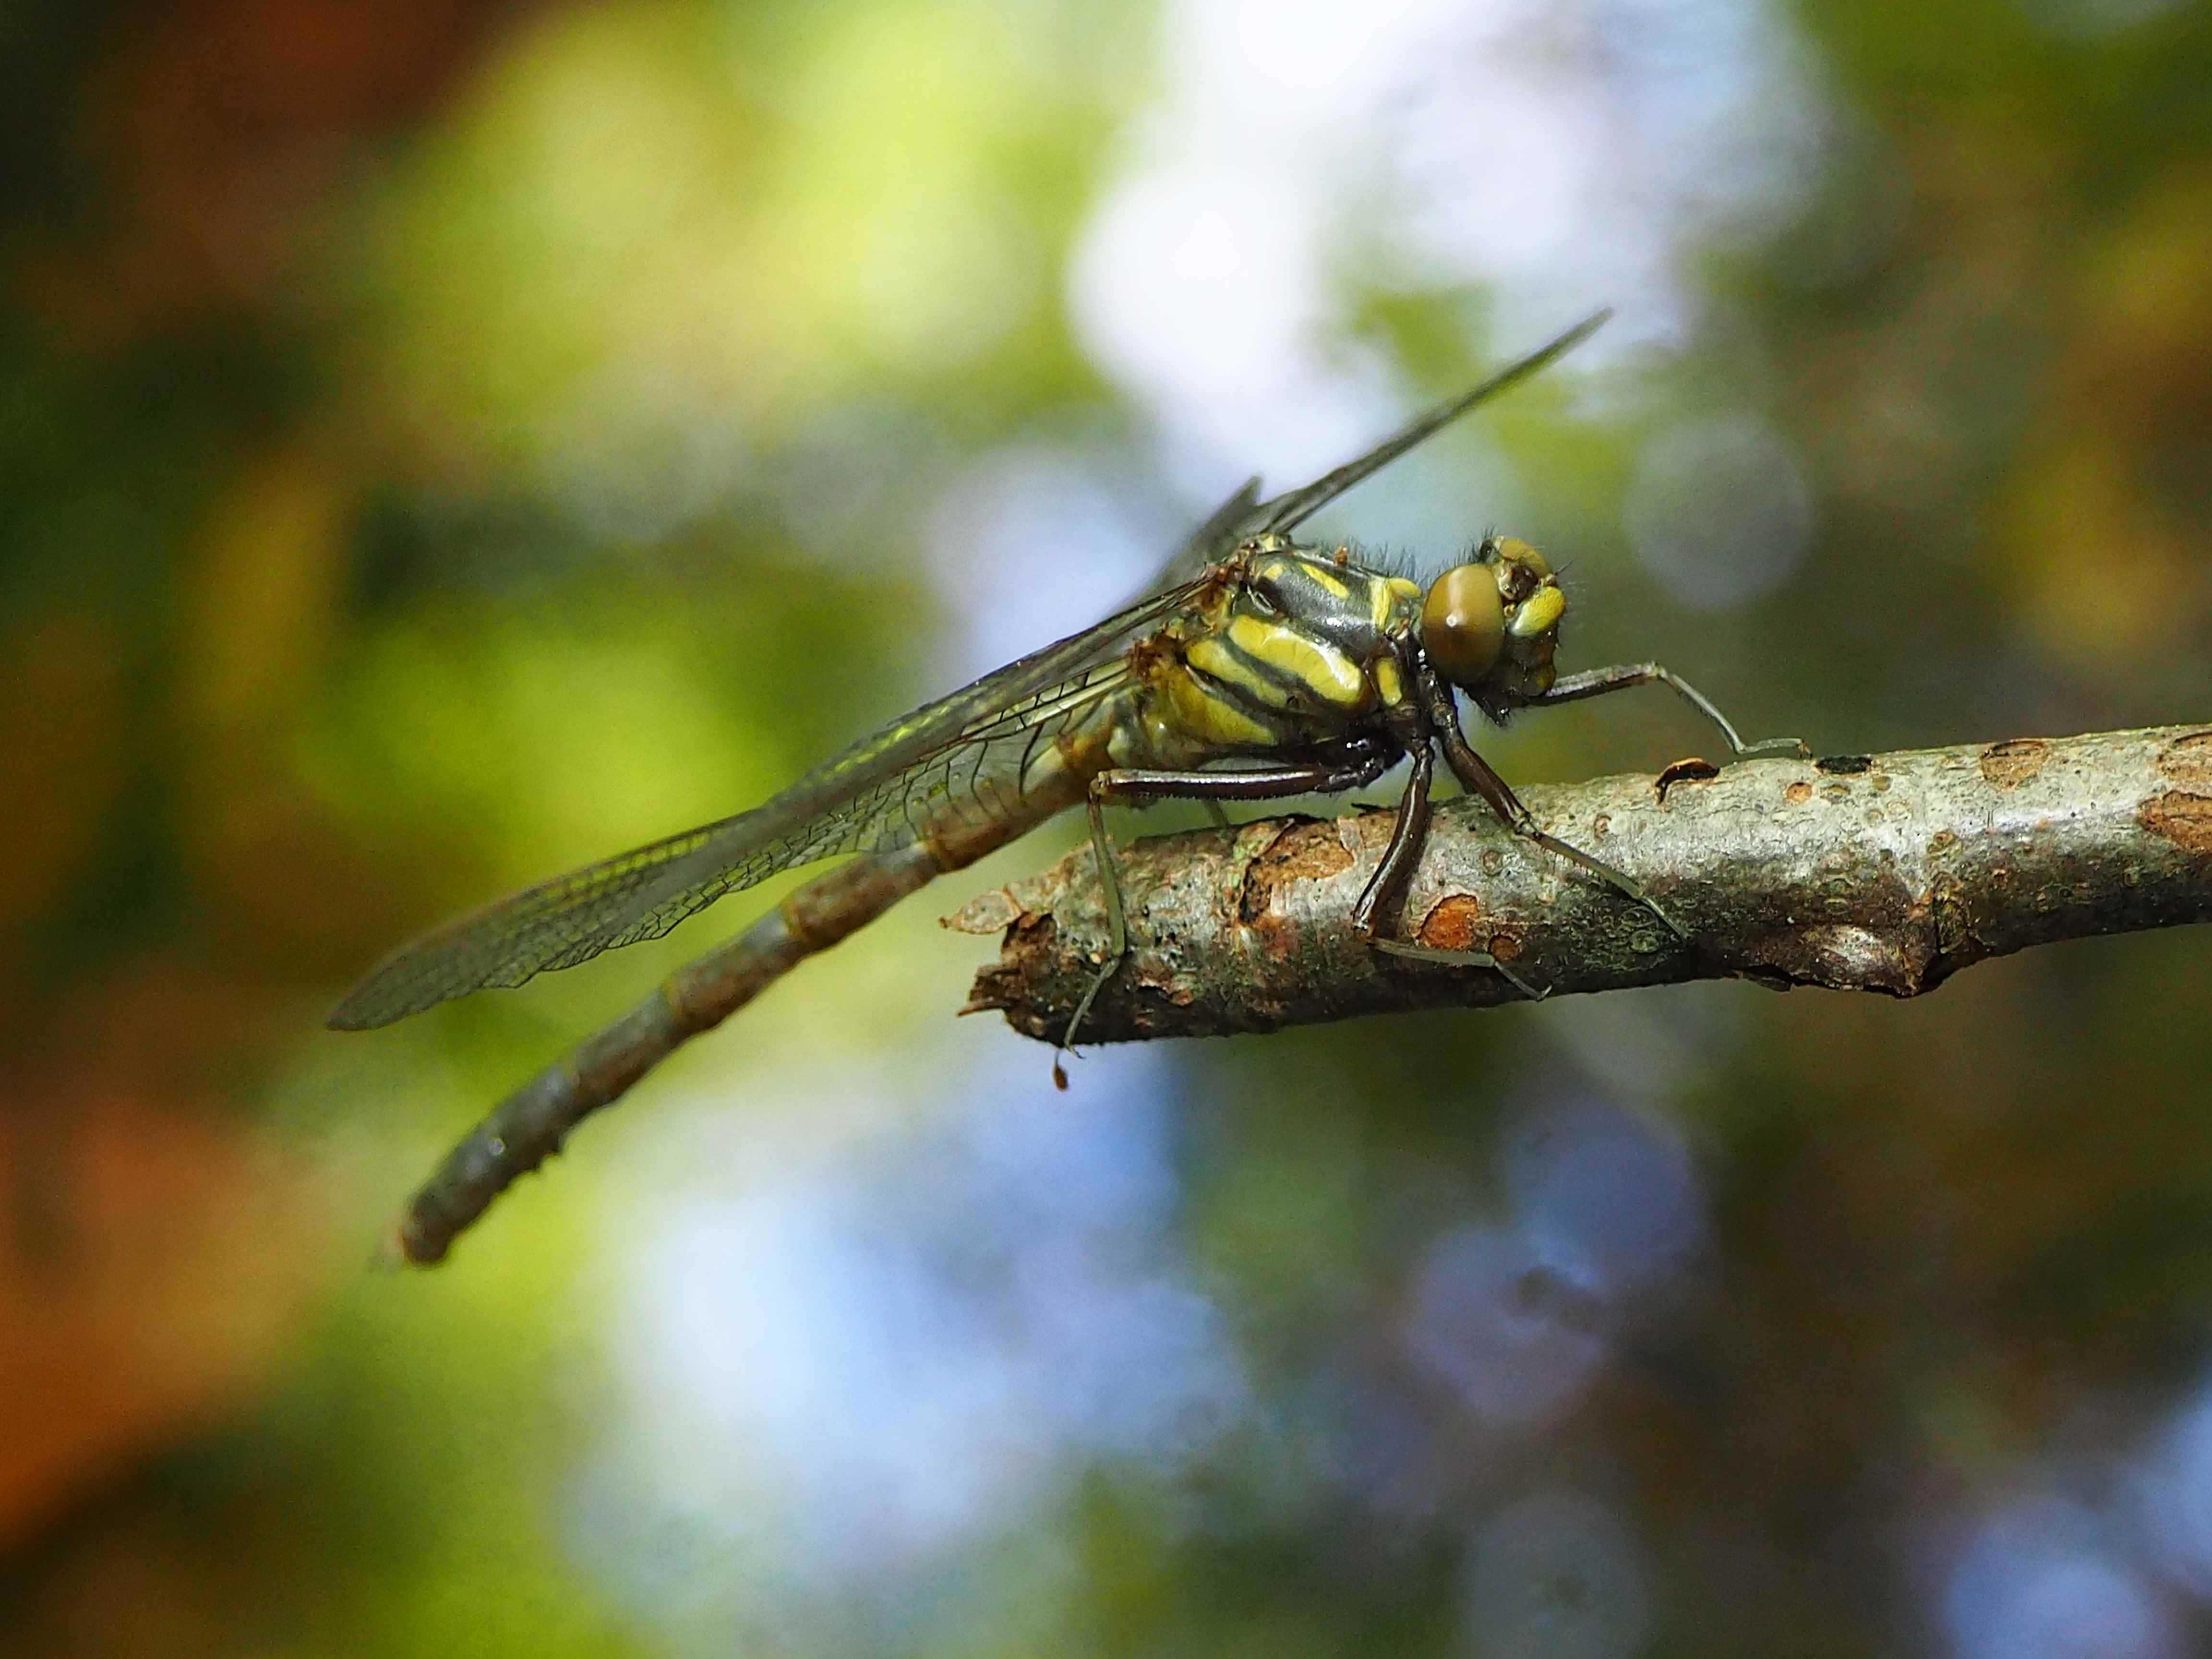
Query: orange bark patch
{"x": 1452, "y": 925}
{"x": 1311, "y": 851}
{"x": 2188, "y": 761}
{"x": 2009, "y": 764}
{"x": 2180, "y": 816}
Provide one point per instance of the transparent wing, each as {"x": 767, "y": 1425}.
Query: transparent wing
{"x": 1226, "y": 526}
{"x": 1293, "y": 507}
{"x": 959, "y": 760}
{"x": 1244, "y": 515}
{"x": 983, "y": 777}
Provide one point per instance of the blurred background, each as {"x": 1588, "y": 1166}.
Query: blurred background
{"x": 443, "y": 441}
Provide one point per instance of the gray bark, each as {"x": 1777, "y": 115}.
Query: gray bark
{"x": 1887, "y": 872}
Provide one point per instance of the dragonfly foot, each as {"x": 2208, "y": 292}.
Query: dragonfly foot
{"x": 1775, "y": 745}
{"x": 1604, "y": 872}
{"x": 1462, "y": 959}
{"x": 1066, "y": 1049}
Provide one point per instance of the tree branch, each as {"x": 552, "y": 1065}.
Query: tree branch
{"x": 1885, "y": 872}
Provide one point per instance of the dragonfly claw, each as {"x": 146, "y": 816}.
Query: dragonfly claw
{"x": 1462, "y": 959}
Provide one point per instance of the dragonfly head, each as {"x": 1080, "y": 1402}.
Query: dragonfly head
{"x": 1491, "y": 626}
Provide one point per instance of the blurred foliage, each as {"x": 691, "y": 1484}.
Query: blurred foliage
{"x": 441, "y": 441}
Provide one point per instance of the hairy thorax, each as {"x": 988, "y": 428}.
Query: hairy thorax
{"x": 1297, "y": 650}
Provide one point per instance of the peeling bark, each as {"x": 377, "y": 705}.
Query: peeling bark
{"x": 1885, "y": 872}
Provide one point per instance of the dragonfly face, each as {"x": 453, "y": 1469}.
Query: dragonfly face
{"x": 1491, "y": 626}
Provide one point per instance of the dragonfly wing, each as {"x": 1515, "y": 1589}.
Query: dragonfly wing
{"x": 552, "y": 925}
{"x": 1226, "y": 526}
{"x": 1244, "y": 515}
{"x": 1292, "y": 508}
{"x": 1223, "y": 528}
{"x": 996, "y": 771}
{"x": 940, "y": 767}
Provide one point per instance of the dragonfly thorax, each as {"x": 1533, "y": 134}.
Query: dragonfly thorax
{"x": 1327, "y": 597}
{"x": 1491, "y": 626}
{"x": 1297, "y": 648}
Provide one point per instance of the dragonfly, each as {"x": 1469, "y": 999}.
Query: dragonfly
{"x": 1257, "y": 668}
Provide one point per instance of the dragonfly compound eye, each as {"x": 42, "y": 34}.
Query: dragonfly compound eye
{"x": 1463, "y": 623}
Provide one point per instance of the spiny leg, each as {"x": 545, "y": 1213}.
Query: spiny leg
{"x": 1391, "y": 875}
{"x": 1478, "y": 777}
{"x": 1599, "y": 681}
{"x": 1404, "y": 851}
{"x": 1477, "y": 774}
{"x": 1369, "y": 762}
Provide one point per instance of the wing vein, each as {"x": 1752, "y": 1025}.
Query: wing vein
{"x": 897, "y": 785}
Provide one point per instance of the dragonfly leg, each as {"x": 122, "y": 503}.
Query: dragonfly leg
{"x": 1412, "y": 952}
{"x": 1117, "y": 929}
{"x": 1389, "y": 879}
{"x": 1404, "y": 851}
{"x": 1132, "y": 785}
{"x": 1478, "y": 777}
{"x": 1598, "y": 681}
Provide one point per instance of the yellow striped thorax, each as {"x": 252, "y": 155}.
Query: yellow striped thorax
{"x": 1297, "y": 647}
